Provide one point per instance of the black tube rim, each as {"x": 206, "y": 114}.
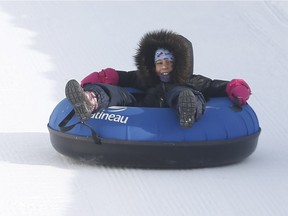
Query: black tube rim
{"x": 151, "y": 154}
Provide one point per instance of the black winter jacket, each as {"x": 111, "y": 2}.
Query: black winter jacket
{"x": 208, "y": 87}
{"x": 146, "y": 79}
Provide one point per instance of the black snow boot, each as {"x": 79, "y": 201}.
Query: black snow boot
{"x": 190, "y": 107}
{"x": 84, "y": 102}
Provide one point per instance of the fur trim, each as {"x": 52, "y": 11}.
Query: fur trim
{"x": 179, "y": 45}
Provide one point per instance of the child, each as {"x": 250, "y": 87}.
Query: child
{"x": 164, "y": 73}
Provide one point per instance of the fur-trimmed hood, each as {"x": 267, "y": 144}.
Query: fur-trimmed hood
{"x": 179, "y": 45}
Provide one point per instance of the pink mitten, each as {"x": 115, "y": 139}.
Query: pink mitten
{"x": 107, "y": 76}
{"x": 238, "y": 91}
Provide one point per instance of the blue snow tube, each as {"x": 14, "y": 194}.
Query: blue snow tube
{"x": 153, "y": 138}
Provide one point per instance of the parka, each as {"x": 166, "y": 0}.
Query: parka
{"x": 146, "y": 79}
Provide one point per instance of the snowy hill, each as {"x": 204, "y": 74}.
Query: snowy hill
{"x": 44, "y": 44}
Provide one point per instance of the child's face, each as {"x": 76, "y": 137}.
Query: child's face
{"x": 163, "y": 66}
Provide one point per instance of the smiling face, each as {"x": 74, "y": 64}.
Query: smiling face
{"x": 163, "y": 61}
{"x": 163, "y": 66}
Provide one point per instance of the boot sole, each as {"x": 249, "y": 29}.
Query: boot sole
{"x": 187, "y": 108}
{"x": 75, "y": 95}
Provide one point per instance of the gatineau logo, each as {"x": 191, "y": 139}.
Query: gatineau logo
{"x": 116, "y": 109}
{"x": 111, "y": 115}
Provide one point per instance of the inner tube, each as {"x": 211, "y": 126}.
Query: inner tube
{"x": 152, "y": 137}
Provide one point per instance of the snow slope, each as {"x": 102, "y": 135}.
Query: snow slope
{"x": 44, "y": 44}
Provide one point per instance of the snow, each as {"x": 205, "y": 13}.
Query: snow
{"x": 44, "y": 44}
